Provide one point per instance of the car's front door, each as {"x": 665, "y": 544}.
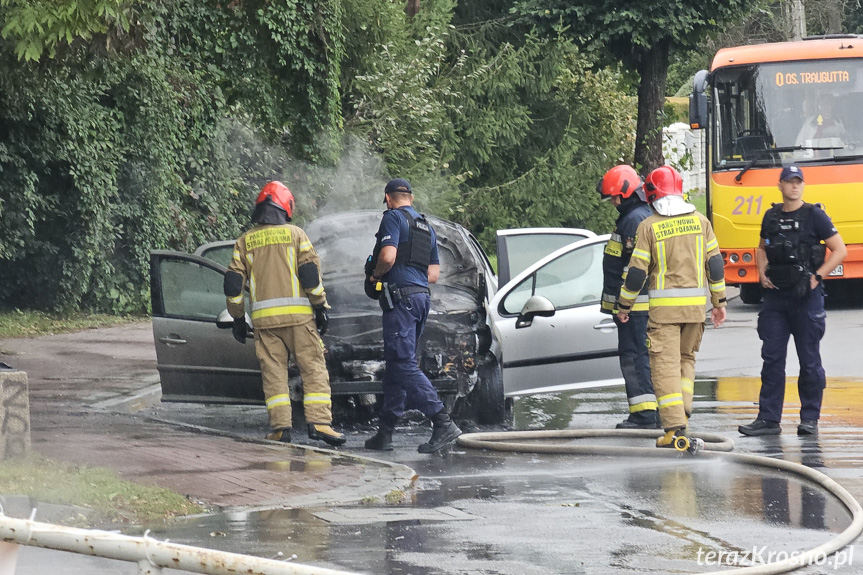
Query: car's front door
{"x": 197, "y": 360}
{"x": 570, "y": 343}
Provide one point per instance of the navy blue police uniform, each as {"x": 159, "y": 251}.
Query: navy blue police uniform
{"x": 793, "y": 244}
{"x": 632, "y": 335}
{"x": 405, "y": 386}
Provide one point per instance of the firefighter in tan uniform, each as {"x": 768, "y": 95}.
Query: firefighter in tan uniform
{"x": 677, "y": 254}
{"x": 289, "y": 307}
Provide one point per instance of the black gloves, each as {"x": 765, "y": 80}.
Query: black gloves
{"x": 240, "y": 330}
{"x": 322, "y": 319}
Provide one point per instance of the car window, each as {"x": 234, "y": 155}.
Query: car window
{"x": 221, "y": 254}
{"x": 191, "y": 290}
{"x": 574, "y": 278}
{"x": 517, "y": 252}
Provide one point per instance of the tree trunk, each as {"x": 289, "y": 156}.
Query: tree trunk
{"x": 412, "y": 8}
{"x": 797, "y": 16}
{"x": 653, "y": 71}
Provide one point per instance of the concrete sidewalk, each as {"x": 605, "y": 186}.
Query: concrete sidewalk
{"x": 82, "y": 386}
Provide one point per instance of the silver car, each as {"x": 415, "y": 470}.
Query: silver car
{"x": 540, "y": 331}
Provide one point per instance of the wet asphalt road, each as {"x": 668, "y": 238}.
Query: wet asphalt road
{"x": 487, "y": 512}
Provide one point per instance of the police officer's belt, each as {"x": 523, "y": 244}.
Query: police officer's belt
{"x": 408, "y": 290}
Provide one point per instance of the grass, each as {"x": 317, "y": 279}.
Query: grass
{"x": 112, "y": 501}
{"x": 26, "y": 323}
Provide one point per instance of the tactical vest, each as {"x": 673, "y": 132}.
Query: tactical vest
{"x": 793, "y": 252}
{"x": 416, "y": 252}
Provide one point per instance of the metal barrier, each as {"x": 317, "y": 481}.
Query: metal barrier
{"x": 151, "y": 555}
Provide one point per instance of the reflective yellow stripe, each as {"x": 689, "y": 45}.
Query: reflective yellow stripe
{"x": 687, "y": 385}
{"x": 670, "y": 399}
{"x": 238, "y": 299}
{"x": 285, "y": 310}
{"x": 316, "y": 398}
{"x": 699, "y": 249}
{"x": 644, "y": 406}
{"x": 614, "y": 248}
{"x": 237, "y": 255}
{"x": 292, "y": 265}
{"x": 278, "y": 400}
{"x": 678, "y": 301}
{"x": 626, "y": 294}
{"x": 712, "y": 245}
{"x": 641, "y": 254}
{"x": 318, "y": 290}
{"x": 641, "y": 306}
{"x": 718, "y": 286}
{"x": 305, "y": 246}
{"x": 660, "y": 255}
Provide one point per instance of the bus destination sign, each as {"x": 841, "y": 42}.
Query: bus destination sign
{"x": 811, "y": 78}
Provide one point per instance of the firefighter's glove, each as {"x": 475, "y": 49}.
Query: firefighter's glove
{"x": 322, "y": 319}
{"x": 240, "y": 330}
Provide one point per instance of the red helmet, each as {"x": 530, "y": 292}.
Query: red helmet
{"x": 619, "y": 181}
{"x": 663, "y": 181}
{"x": 280, "y": 195}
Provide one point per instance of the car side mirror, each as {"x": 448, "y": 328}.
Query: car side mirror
{"x": 533, "y": 307}
{"x": 225, "y": 321}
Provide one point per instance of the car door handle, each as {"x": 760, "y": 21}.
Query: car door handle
{"x": 174, "y": 340}
{"x": 606, "y": 325}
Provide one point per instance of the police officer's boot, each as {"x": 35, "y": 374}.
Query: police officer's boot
{"x": 444, "y": 432}
{"x": 324, "y": 432}
{"x": 383, "y": 440}
{"x": 283, "y": 434}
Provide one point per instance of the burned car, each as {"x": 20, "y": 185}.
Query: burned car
{"x": 540, "y": 331}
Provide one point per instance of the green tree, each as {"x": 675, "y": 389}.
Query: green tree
{"x": 641, "y": 34}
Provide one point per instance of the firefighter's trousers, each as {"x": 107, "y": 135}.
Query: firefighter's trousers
{"x": 672, "y": 367}
{"x": 273, "y": 347}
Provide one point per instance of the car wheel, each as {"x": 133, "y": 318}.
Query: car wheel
{"x": 488, "y": 396}
{"x": 751, "y": 293}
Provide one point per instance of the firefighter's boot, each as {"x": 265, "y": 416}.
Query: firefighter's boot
{"x": 383, "y": 440}
{"x": 283, "y": 435}
{"x": 324, "y": 432}
{"x": 444, "y": 432}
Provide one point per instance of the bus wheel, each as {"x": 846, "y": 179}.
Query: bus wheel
{"x": 751, "y": 293}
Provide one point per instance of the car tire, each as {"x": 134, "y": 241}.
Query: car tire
{"x": 751, "y": 293}
{"x": 488, "y": 395}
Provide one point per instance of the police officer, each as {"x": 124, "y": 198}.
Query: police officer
{"x": 405, "y": 262}
{"x": 289, "y": 307}
{"x": 677, "y": 254}
{"x": 623, "y": 187}
{"x": 791, "y": 265}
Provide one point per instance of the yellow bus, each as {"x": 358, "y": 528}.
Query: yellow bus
{"x": 766, "y": 106}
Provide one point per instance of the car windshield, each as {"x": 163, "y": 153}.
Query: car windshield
{"x": 344, "y": 241}
{"x": 777, "y": 113}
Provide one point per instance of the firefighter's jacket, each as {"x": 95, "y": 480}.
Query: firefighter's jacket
{"x": 671, "y": 254}
{"x": 617, "y": 253}
{"x": 268, "y": 257}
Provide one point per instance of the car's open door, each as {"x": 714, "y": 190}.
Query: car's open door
{"x": 551, "y": 333}
{"x": 197, "y": 360}
{"x": 517, "y": 249}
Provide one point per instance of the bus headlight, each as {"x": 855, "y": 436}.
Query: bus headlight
{"x": 734, "y": 258}
{"x": 747, "y": 257}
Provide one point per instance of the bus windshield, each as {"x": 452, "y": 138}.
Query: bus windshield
{"x": 776, "y": 113}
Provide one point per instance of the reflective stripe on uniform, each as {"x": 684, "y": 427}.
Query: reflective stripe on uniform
{"x": 712, "y": 245}
{"x": 317, "y": 398}
{"x": 687, "y": 385}
{"x": 661, "y": 266}
{"x": 281, "y": 306}
{"x": 699, "y": 254}
{"x": 278, "y": 400}
{"x": 717, "y": 286}
{"x": 641, "y": 254}
{"x": 677, "y": 297}
{"x": 238, "y": 299}
{"x": 670, "y": 400}
{"x": 643, "y": 402}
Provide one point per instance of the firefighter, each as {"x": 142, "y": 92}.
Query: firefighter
{"x": 404, "y": 262}
{"x": 677, "y": 254}
{"x": 791, "y": 262}
{"x": 623, "y": 187}
{"x": 289, "y": 309}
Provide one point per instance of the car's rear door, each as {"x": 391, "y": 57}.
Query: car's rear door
{"x": 575, "y": 347}
{"x": 197, "y": 361}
